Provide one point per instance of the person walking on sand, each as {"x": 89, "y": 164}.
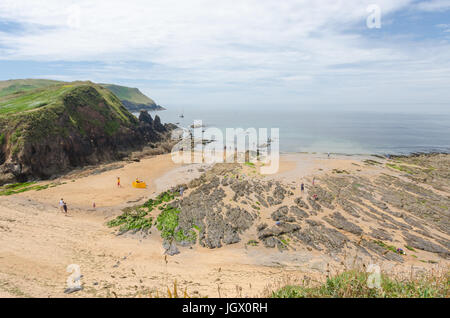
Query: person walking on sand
{"x": 118, "y": 182}
{"x": 328, "y": 155}
{"x": 61, "y": 205}
{"x": 65, "y": 208}
{"x": 314, "y": 180}
{"x": 181, "y": 191}
{"x": 302, "y": 187}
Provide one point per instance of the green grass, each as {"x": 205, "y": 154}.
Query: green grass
{"x": 29, "y": 100}
{"x": 253, "y": 243}
{"x": 16, "y": 86}
{"x": 135, "y": 219}
{"x": 129, "y": 94}
{"x": 138, "y": 218}
{"x": 386, "y": 246}
{"x": 353, "y": 284}
{"x": 16, "y": 188}
{"x": 401, "y": 168}
{"x": 60, "y": 110}
{"x": 167, "y": 223}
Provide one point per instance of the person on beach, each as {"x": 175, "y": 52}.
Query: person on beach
{"x": 65, "y": 208}
{"x": 302, "y": 187}
{"x": 181, "y": 191}
{"x": 328, "y": 155}
{"x": 61, "y": 205}
{"x": 118, "y": 182}
{"x": 314, "y": 180}
{"x": 94, "y": 205}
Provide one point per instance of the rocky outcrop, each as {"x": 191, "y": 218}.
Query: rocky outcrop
{"x": 345, "y": 213}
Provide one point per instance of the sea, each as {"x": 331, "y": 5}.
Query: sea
{"x": 343, "y": 132}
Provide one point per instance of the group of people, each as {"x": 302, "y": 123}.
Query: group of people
{"x": 302, "y": 188}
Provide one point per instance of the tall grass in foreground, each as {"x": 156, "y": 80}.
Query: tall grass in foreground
{"x": 353, "y": 284}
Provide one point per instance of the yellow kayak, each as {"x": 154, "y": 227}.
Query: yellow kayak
{"x": 139, "y": 185}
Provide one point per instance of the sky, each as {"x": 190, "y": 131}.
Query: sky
{"x": 259, "y": 54}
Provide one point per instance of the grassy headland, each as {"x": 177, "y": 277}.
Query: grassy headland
{"x": 43, "y": 131}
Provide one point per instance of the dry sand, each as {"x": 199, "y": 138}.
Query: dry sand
{"x": 38, "y": 242}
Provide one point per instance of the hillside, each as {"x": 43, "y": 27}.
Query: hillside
{"x": 132, "y": 98}
{"x": 14, "y": 86}
{"x": 46, "y": 131}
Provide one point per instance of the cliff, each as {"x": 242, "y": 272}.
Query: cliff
{"x": 51, "y": 130}
{"x": 132, "y": 98}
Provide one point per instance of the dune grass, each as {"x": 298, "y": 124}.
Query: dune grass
{"x": 353, "y": 284}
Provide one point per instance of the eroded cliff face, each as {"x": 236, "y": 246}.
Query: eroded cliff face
{"x": 87, "y": 126}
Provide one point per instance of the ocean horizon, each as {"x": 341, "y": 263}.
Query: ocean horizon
{"x": 343, "y": 132}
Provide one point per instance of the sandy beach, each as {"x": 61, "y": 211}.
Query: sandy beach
{"x": 39, "y": 242}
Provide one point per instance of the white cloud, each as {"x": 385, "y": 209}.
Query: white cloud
{"x": 434, "y": 5}
{"x": 276, "y": 49}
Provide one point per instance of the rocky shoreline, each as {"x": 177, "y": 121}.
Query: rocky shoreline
{"x": 402, "y": 209}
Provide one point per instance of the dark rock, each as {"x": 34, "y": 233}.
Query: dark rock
{"x": 340, "y": 222}
{"x": 380, "y": 234}
{"x": 313, "y": 223}
{"x": 279, "y": 193}
{"x": 261, "y": 200}
{"x": 301, "y": 203}
{"x": 280, "y": 214}
{"x": 422, "y": 244}
{"x": 231, "y": 236}
{"x": 284, "y": 228}
{"x": 261, "y": 227}
{"x": 270, "y": 242}
{"x": 145, "y": 117}
{"x": 73, "y": 290}
{"x": 298, "y": 213}
{"x": 172, "y": 248}
{"x": 157, "y": 124}
{"x": 314, "y": 236}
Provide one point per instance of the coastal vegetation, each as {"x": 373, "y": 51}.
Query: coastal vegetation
{"x": 132, "y": 98}
{"x": 16, "y": 188}
{"x": 353, "y": 284}
{"x": 138, "y": 218}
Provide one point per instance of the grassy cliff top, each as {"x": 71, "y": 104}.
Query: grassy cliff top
{"x": 25, "y": 94}
{"x": 14, "y": 86}
{"x": 61, "y": 110}
{"x": 56, "y": 96}
{"x": 129, "y": 94}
